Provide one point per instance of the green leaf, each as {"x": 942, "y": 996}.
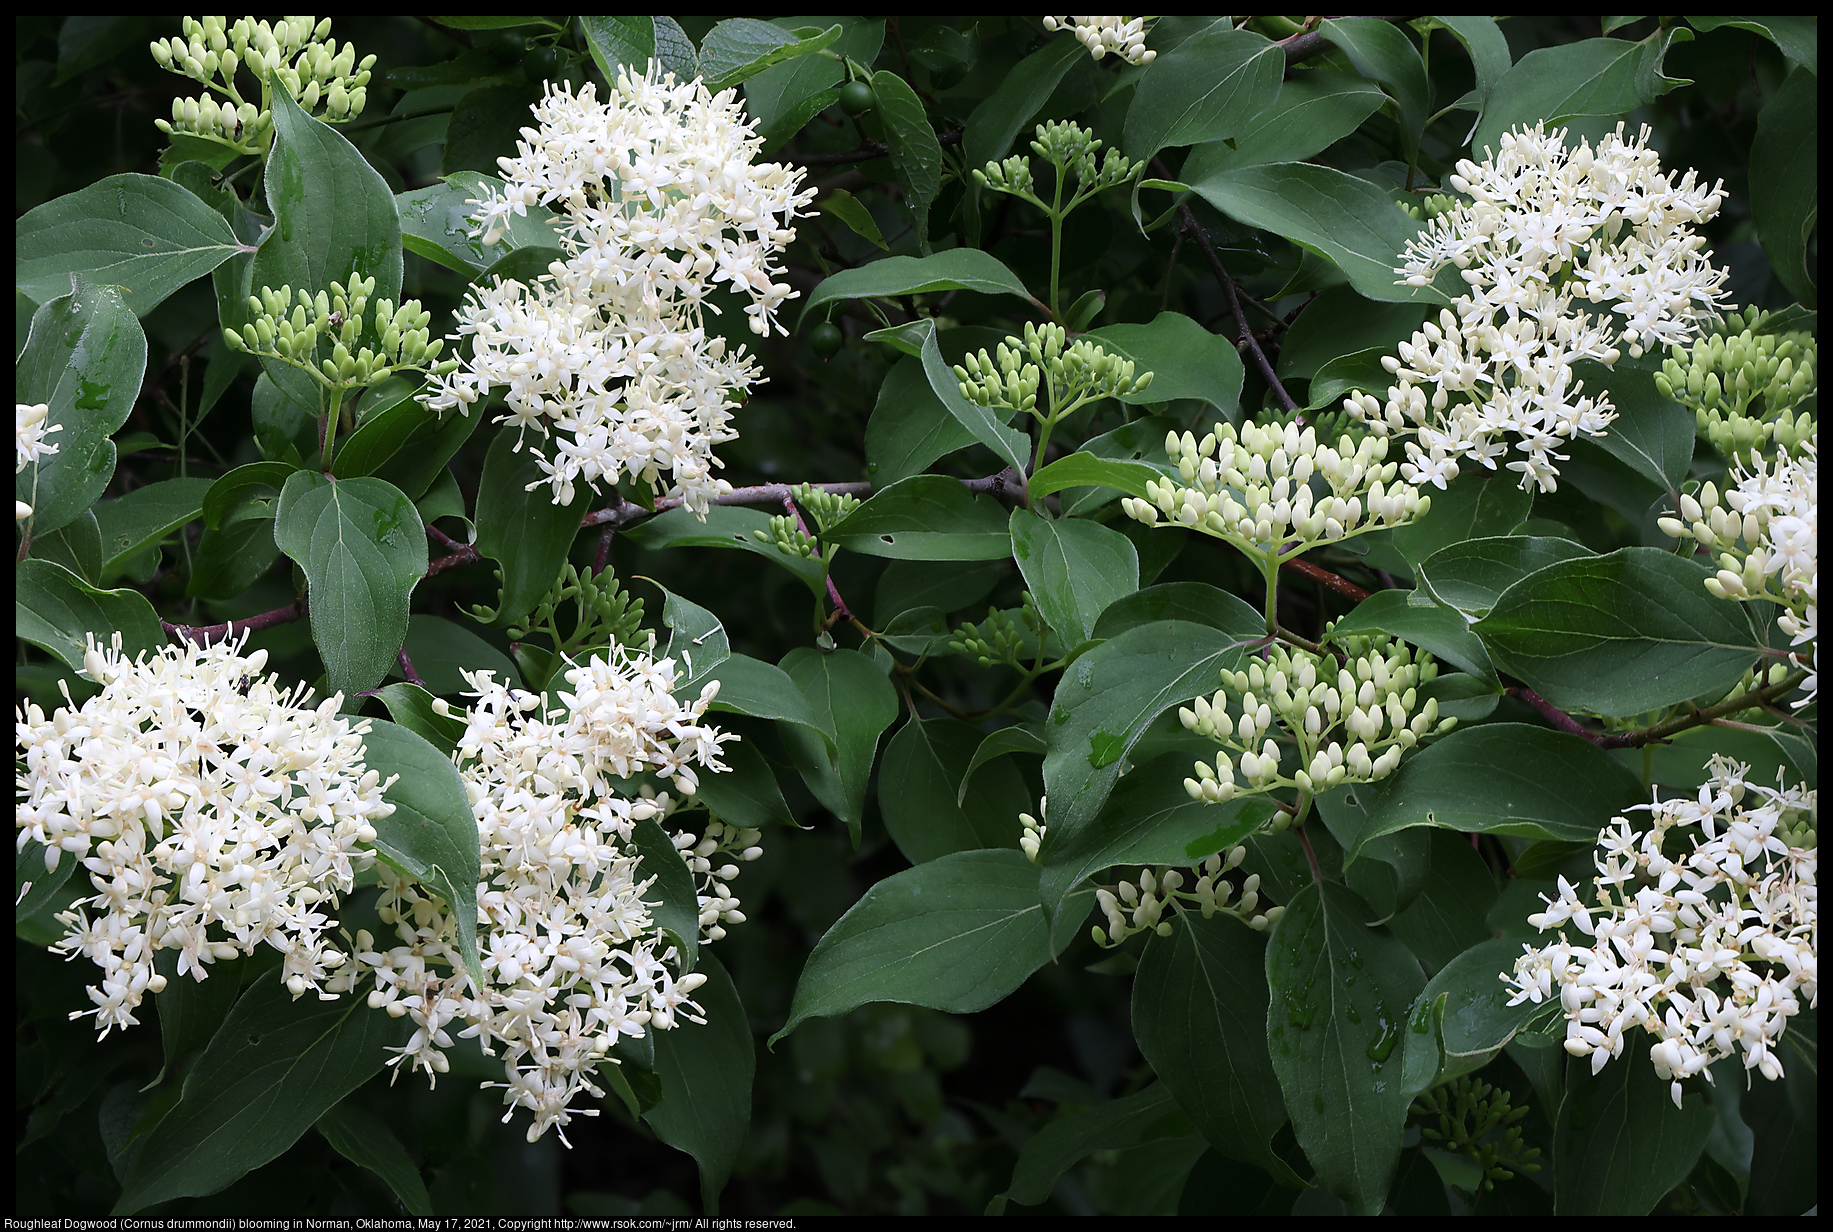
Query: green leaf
{"x": 1450, "y": 910}
{"x": 923, "y": 797}
{"x": 53, "y": 609}
{"x": 726, "y": 526}
{"x": 1651, "y": 434}
{"x": 363, "y": 548}
{"x": 441, "y": 650}
{"x": 844, "y": 206}
{"x": 392, "y": 416}
{"x": 1381, "y": 51}
{"x": 1475, "y": 507}
{"x": 632, "y": 41}
{"x": 147, "y": 235}
{"x": 926, "y": 517}
{"x": 365, "y": 1140}
{"x": 1620, "y": 1141}
{"x": 740, "y": 48}
{"x": 916, "y": 155}
{"x": 1207, "y": 88}
{"x": 35, "y": 887}
{"x": 988, "y": 427}
{"x": 1080, "y": 468}
{"x": 522, "y": 529}
{"x": 248, "y": 492}
{"x": 1196, "y": 602}
{"x": 1337, "y": 378}
{"x": 1796, "y": 37}
{"x": 271, "y": 1071}
{"x": 849, "y": 696}
{"x": 1470, "y": 576}
{"x": 84, "y": 359}
{"x": 958, "y": 269}
{"x": 1440, "y": 630}
{"x": 77, "y": 547}
{"x": 333, "y": 212}
{"x": 1313, "y": 112}
{"x": 1200, "y": 1014}
{"x": 1150, "y": 819}
{"x": 1620, "y": 634}
{"x": 432, "y": 835}
{"x": 1490, "y": 57}
{"x": 1476, "y": 1020}
{"x": 436, "y": 223}
{"x": 765, "y": 691}
{"x": 1075, "y": 568}
{"x": 675, "y": 907}
{"x": 1594, "y": 77}
{"x": 785, "y": 98}
{"x": 145, "y": 516}
{"x": 706, "y": 1072}
{"x": 1784, "y": 158}
{"x": 1185, "y": 360}
{"x": 1147, "y": 1116}
{"x": 1504, "y": 778}
{"x": 411, "y": 706}
{"x": 1347, "y": 220}
{"x": 1105, "y": 701}
{"x": 1339, "y": 998}
{"x": 910, "y": 427}
{"x": 694, "y": 634}
{"x": 957, "y": 934}
{"x": 1002, "y": 743}
{"x": 745, "y": 794}
{"x": 1015, "y": 102}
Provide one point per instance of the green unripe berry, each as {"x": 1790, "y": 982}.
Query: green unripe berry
{"x": 856, "y": 98}
{"x": 826, "y": 338}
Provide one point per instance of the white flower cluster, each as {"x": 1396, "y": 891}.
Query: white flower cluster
{"x": 1376, "y": 690}
{"x": 1709, "y": 950}
{"x": 661, "y": 203}
{"x": 1254, "y": 489}
{"x": 1547, "y": 228}
{"x": 30, "y": 431}
{"x": 1125, "y": 36}
{"x": 1134, "y": 906}
{"x": 572, "y": 954}
{"x": 323, "y": 79}
{"x": 1766, "y": 530}
{"x": 212, "y": 810}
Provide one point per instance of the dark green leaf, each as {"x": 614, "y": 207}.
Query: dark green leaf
{"x": 1470, "y": 576}
{"x": 1314, "y": 111}
{"x": 1020, "y": 95}
{"x": 1196, "y": 602}
{"x": 1340, "y": 322}
{"x": 1002, "y": 743}
{"x": 1410, "y": 615}
{"x": 1601, "y": 77}
{"x": 910, "y": 427}
{"x": 1207, "y": 88}
{"x": 411, "y": 707}
{"x": 765, "y": 691}
{"x": 673, "y": 900}
{"x": 916, "y": 155}
{"x": 740, "y": 48}
{"x": 1185, "y": 360}
{"x": 697, "y": 641}
{"x": 958, "y": 269}
{"x": 923, "y": 798}
{"x": 144, "y": 517}
{"x": 706, "y": 1072}
{"x": 849, "y": 696}
{"x": 1382, "y": 52}
{"x": 442, "y": 650}
{"x": 1475, "y": 507}
{"x": 726, "y": 526}
{"x": 53, "y": 609}
{"x": 858, "y": 219}
{"x": 1115, "y": 1124}
{"x": 745, "y": 794}
{"x": 1476, "y": 1019}
{"x": 1080, "y": 468}
{"x": 1620, "y": 1141}
{"x": 365, "y": 1140}
{"x": 1075, "y": 569}
{"x": 632, "y": 41}
{"x": 1784, "y": 159}
{"x": 926, "y": 517}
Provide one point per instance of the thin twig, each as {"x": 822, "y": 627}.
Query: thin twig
{"x": 1660, "y": 732}
{"x": 209, "y": 635}
{"x": 1324, "y": 577}
{"x": 1193, "y": 228}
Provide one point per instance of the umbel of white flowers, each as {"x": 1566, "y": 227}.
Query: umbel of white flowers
{"x": 571, "y": 953}
{"x": 1711, "y": 948}
{"x": 1548, "y": 232}
{"x": 211, "y": 810}
{"x": 607, "y": 355}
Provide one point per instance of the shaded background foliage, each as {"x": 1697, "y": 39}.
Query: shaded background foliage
{"x": 890, "y": 1108}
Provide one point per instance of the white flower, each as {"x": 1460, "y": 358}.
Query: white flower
{"x": 662, "y": 203}
{"x": 212, "y": 810}
{"x": 573, "y": 957}
{"x": 1125, "y": 36}
{"x": 29, "y": 440}
{"x": 1710, "y": 951}
{"x": 1547, "y": 230}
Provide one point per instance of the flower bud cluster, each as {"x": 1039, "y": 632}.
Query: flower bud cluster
{"x": 1072, "y": 374}
{"x": 607, "y": 614}
{"x": 1461, "y": 1113}
{"x": 1428, "y": 208}
{"x": 1071, "y": 149}
{"x": 1373, "y": 697}
{"x": 1766, "y": 531}
{"x": 1124, "y": 36}
{"x": 1710, "y": 950}
{"x": 401, "y": 335}
{"x": 710, "y": 859}
{"x": 30, "y": 431}
{"x": 1547, "y": 228}
{"x": 1001, "y": 637}
{"x": 572, "y": 955}
{"x": 661, "y": 203}
{"x": 1744, "y": 383}
{"x": 212, "y": 810}
{"x": 1276, "y": 492}
{"x": 1153, "y": 900}
{"x": 325, "y": 80}
{"x": 1031, "y": 841}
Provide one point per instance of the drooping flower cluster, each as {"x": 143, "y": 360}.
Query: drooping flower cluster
{"x": 1549, "y": 231}
{"x": 1710, "y": 950}
{"x": 326, "y": 81}
{"x": 661, "y": 203}
{"x": 1766, "y": 530}
{"x": 212, "y": 810}
{"x": 1373, "y": 696}
{"x": 29, "y": 433}
{"x": 571, "y": 951}
{"x": 1154, "y": 899}
{"x": 1124, "y": 36}
{"x": 1254, "y": 489}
